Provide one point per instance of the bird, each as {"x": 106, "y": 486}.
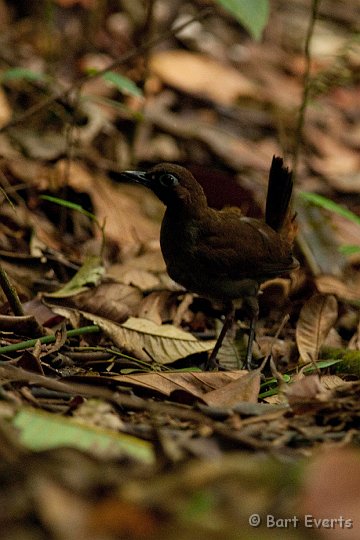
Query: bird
{"x": 222, "y": 254}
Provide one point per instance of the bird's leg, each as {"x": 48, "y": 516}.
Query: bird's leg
{"x": 248, "y": 361}
{"x": 253, "y": 305}
{"x": 211, "y": 364}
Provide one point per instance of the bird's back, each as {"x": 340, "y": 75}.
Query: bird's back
{"x": 212, "y": 255}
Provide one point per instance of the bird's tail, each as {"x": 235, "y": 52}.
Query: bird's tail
{"x": 278, "y": 213}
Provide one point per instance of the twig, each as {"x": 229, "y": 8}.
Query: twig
{"x": 63, "y": 94}
{"x": 10, "y": 293}
{"x": 48, "y": 339}
{"x": 306, "y": 87}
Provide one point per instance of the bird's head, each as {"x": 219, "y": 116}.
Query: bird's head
{"x": 172, "y": 184}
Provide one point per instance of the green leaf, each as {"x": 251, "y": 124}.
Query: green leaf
{"x": 349, "y": 249}
{"x": 88, "y": 275}
{"x": 123, "y": 84}
{"x": 69, "y": 204}
{"x": 328, "y": 204}
{"x": 252, "y": 14}
{"x": 40, "y": 430}
{"x": 20, "y": 73}
{"x": 322, "y": 364}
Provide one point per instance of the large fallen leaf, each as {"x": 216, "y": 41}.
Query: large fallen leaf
{"x": 196, "y": 384}
{"x": 145, "y": 340}
{"x": 201, "y": 76}
{"x": 317, "y": 317}
{"x": 40, "y": 430}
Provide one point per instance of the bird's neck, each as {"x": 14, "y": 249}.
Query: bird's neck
{"x": 192, "y": 206}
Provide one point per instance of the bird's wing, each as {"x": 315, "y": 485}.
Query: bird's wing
{"x": 246, "y": 248}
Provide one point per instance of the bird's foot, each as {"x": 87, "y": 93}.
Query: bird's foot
{"x": 212, "y": 364}
{"x": 250, "y": 364}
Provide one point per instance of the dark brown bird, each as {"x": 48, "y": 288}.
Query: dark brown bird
{"x": 221, "y": 254}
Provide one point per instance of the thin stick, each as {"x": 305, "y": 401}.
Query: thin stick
{"x": 10, "y": 293}
{"x": 306, "y": 87}
{"x": 48, "y": 339}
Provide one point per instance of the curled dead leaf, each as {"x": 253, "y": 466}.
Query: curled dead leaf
{"x": 244, "y": 389}
{"x": 305, "y": 389}
{"x": 113, "y": 301}
{"x": 317, "y": 317}
{"x": 347, "y": 291}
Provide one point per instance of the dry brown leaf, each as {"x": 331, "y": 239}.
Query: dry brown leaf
{"x": 317, "y": 316}
{"x": 142, "y": 279}
{"x": 276, "y": 292}
{"x": 100, "y": 305}
{"x": 347, "y": 291}
{"x": 113, "y": 301}
{"x": 153, "y": 306}
{"x": 43, "y": 314}
{"x": 143, "y": 271}
{"x": 331, "y": 381}
{"x": 202, "y": 76}
{"x": 25, "y": 325}
{"x": 164, "y": 343}
{"x": 245, "y": 388}
{"x": 182, "y": 312}
{"x": 305, "y": 389}
{"x": 195, "y": 384}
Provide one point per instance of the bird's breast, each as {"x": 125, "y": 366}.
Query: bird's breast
{"x": 178, "y": 240}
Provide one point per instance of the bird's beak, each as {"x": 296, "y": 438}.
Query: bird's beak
{"x": 139, "y": 177}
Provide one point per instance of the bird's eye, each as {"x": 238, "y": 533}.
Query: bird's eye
{"x": 168, "y": 180}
